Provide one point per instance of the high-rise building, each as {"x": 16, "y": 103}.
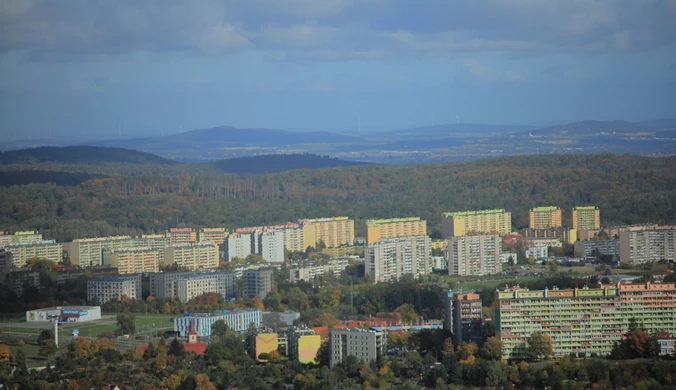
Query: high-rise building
{"x": 333, "y": 232}
{"x": 195, "y": 285}
{"x": 192, "y": 257}
{"x": 586, "y": 217}
{"x": 601, "y": 247}
{"x": 364, "y": 344}
{"x": 271, "y": 246}
{"x": 292, "y": 234}
{"x": 182, "y": 235}
{"x": 24, "y": 252}
{"x": 156, "y": 242}
{"x": 467, "y": 321}
{"x": 561, "y": 233}
{"x": 463, "y": 223}
{"x": 644, "y": 246}
{"x": 586, "y": 320}
{"x": 88, "y": 252}
{"x": 257, "y": 283}
{"x": 238, "y": 245}
{"x": 108, "y": 288}
{"x": 214, "y": 235}
{"x": 389, "y": 259}
{"x": 133, "y": 260}
{"x": 27, "y": 237}
{"x": 473, "y": 255}
{"x": 545, "y": 217}
{"x": 393, "y": 228}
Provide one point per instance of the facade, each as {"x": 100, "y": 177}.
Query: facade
{"x": 544, "y": 217}
{"x": 586, "y": 217}
{"x": 18, "y": 278}
{"x": 292, "y": 234}
{"x": 257, "y": 283}
{"x": 582, "y": 320}
{"x": 638, "y": 247}
{"x": 182, "y": 236}
{"x": 377, "y": 229}
{"x": 192, "y": 257}
{"x": 473, "y": 255}
{"x": 364, "y": 344}
{"x": 65, "y": 314}
{"x": 88, "y": 252}
{"x": 389, "y": 259}
{"x": 333, "y": 232}
{"x": 271, "y": 246}
{"x": 238, "y": 245}
{"x": 213, "y": 235}
{"x": 467, "y": 321}
{"x": 262, "y": 343}
{"x": 24, "y": 252}
{"x": 238, "y": 320}
{"x": 563, "y": 234}
{"x": 221, "y": 283}
{"x": 462, "y": 223}
{"x": 108, "y": 288}
{"x": 603, "y": 247}
{"x": 156, "y": 242}
{"x": 537, "y": 252}
{"x": 133, "y": 261}
{"x": 334, "y": 266}
{"x": 542, "y": 242}
{"x": 303, "y": 345}
{"x": 27, "y": 237}
{"x": 449, "y": 325}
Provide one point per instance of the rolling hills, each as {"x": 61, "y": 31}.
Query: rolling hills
{"x": 279, "y": 162}
{"x": 81, "y": 155}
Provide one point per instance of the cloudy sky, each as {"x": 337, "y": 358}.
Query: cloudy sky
{"x": 103, "y": 67}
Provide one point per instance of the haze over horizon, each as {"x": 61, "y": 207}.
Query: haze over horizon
{"x": 104, "y": 69}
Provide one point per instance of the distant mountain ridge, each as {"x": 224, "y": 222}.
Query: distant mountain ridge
{"x": 80, "y": 155}
{"x": 272, "y": 163}
{"x": 593, "y": 127}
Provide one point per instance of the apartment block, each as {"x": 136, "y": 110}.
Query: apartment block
{"x": 88, "y": 252}
{"x": 214, "y": 235}
{"x": 24, "y": 252}
{"x": 467, "y": 321}
{"x": 303, "y": 345}
{"x": 537, "y": 252}
{"x": 192, "y": 257}
{"x": 18, "y": 278}
{"x": 473, "y": 255}
{"x": 389, "y": 259}
{"x": 238, "y": 320}
{"x": 586, "y": 217}
{"x": 195, "y": 285}
{"x": 334, "y": 266}
{"x": 562, "y": 234}
{"x": 270, "y": 246}
{"x": 651, "y": 304}
{"x": 544, "y": 217}
{"x": 238, "y": 245}
{"x": 292, "y": 234}
{"x": 545, "y": 242}
{"x": 257, "y": 283}
{"x": 182, "y": 235}
{"x": 133, "y": 260}
{"x": 27, "y": 237}
{"x": 364, "y": 344}
{"x": 462, "y": 223}
{"x": 638, "y": 247}
{"x": 156, "y": 242}
{"x": 393, "y": 228}
{"x": 108, "y": 288}
{"x": 603, "y": 247}
{"x": 334, "y": 232}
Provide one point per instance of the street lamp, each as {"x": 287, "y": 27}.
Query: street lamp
{"x": 55, "y": 320}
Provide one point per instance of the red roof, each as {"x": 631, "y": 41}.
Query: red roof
{"x": 197, "y": 348}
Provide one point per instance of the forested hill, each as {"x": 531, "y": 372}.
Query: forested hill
{"x": 80, "y": 155}
{"x": 272, "y": 163}
{"x": 627, "y": 189}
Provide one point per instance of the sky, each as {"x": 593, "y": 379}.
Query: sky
{"x": 123, "y": 68}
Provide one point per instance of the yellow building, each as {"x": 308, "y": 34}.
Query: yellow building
{"x": 182, "y": 235}
{"x": 393, "y": 228}
{"x": 191, "y": 257}
{"x": 545, "y": 217}
{"x": 586, "y": 217}
{"x": 23, "y": 253}
{"x": 262, "y": 343}
{"x": 334, "y": 232}
{"x": 133, "y": 260}
{"x": 462, "y": 223}
{"x": 215, "y": 235}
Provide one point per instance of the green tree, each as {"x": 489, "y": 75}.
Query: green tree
{"x": 492, "y": 349}
{"x": 176, "y": 348}
{"x": 407, "y": 313}
{"x": 219, "y": 329}
{"x": 127, "y": 323}
{"x": 539, "y": 346}
{"x": 47, "y": 348}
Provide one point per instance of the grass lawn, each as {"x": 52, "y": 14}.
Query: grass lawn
{"x": 154, "y": 321}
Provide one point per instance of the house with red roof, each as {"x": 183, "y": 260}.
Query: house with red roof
{"x": 193, "y": 344}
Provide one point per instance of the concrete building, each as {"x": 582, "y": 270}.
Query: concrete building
{"x": 587, "y": 320}
{"x": 192, "y": 257}
{"x": 237, "y": 320}
{"x": 304, "y": 344}
{"x": 18, "y": 278}
{"x": 364, "y": 344}
{"x": 388, "y": 259}
{"x": 462, "y": 223}
{"x": 586, "y": 217}
{"x": 270, "y": 246}
{"x": 639, "y": 247}
{"x": 214, "y": 235}
{"x": 377, "y": 229}
{"x": 542, "y": 242}
{"x": 333, "y": 232}
{"x": 238, "y": 245}
{"x": 182, "y": 236}
{"x": 261, "y": 344}
{"x": 88, "y": 252}
{"x": 334, "y": 266}
{"x": 27, "y": 237}
{"x": 467, "y": 321}
{"x": 537, "y": 252}
{"x": 156, "y": 242}
{"x": 6, "y": 264}
{"x": 562, "y": 234}
{"x": 24, "y": 252}
{"x": 193, "y": 286}
{"x": 292, "y": 234}
{"x": 603, "y": 247}
{"x": 544, "y": 217}
{"x": 65, "y": 314}
{"x": 473, "y": 255}
{"x": 257, "y": 283}
{"x": 107, "y": 288}
{"x": 133, "y": 260}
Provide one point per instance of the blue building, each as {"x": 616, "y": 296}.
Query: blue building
{"x": 238, "y": 320}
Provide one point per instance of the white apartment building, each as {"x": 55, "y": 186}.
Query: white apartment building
{"x": 334, "y": 266}
{"x": 27, "y": 237}
{"x": 364, "y": 344}
{"x": 271, "y": 246}
{"x": 193, "y": 286}
{"x": 238, "y": 245}
{"x": 473, "y": 255}
{"x": 292, "y": 234}
{"x": 538, "y": 252}
{"x": 88, "y": 252}
{"x": 644, "y": 246}
{"x": 389, "y": 259}
{"x": 192, "y": 257}
{"x": 24, "y": 252}
{"x": 108, "y": 288}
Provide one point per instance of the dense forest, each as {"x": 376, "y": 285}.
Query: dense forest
{"x": 628, "y": 189}
{"x": 80, "y": 155}
{"x": 273, "y": 163}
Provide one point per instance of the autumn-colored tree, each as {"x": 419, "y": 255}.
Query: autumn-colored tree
{"x": 172, "y": 382}
{"x": 47, "y": 348}
{"x": 102, "y": 343}
{"x": 274, "y": 356}
{"x": 5, "y": 353}
{"x": 71, "y": 385}
{"x": 203, "y": 381}
{"x": 324, "y": 319}
{"x": 539, "y": 346}
{"x": 492, "y": 349}
{"x": 80, "y": 348}
{"x": 448, "y": 348}
{"x": 329, "y": 297}
{"x": 407, "y": 313}
{"x": 257, "y": 303}
{"x": 397, "y": 338}
{"x": 467, "y": 352}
